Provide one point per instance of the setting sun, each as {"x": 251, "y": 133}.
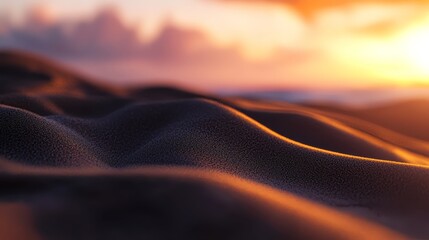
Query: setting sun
{"x": 415, "y": 45}
{"x": 214, "y": 119}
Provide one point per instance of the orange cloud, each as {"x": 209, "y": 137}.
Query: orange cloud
{"x": 309, "y": 7}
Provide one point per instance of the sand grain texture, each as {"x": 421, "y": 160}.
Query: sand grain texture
{"x": 82, "y": 161}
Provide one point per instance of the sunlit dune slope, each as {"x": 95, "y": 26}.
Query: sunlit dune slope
{"x": 57, "y": 139}
{"x": 409, "y": 117}
{"x": 402, "y": 137}
{"x": 318, "y": 130}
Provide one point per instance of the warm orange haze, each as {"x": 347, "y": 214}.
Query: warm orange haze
{"x": 212, "y": 44}
{"x": 214, "y": 119}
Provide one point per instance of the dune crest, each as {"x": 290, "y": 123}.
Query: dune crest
{"x": 271, "y": 170}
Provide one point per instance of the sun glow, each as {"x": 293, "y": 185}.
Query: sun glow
{"x": 415, "y": 47}
{"x": 401, "y": 58}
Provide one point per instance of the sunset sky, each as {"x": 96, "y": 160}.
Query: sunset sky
{"x": 229, "y": 44}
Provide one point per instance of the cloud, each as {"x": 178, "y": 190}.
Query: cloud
{"x": 106, "y": 47}
{"x": 310, "y": 7}
{"x": 327, "y": 20}
{"x": 175, "y": 43}
{"x": 106, "y": 37}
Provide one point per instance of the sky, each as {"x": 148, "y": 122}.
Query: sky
{"x": 229, "y": 44}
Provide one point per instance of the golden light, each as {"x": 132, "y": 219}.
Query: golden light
{"x": 414, "y": 44}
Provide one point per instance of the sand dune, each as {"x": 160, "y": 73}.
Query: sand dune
{"x": 398, "y": 116}
{"x": 403, "y": 138}
{"x": 82, "y": 161}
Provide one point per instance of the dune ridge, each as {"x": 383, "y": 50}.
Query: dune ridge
{"x": 274, "y": 170}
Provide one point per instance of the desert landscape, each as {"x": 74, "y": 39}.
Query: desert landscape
{"x": 214, "y": 119}
{"x": 85, "y": 161}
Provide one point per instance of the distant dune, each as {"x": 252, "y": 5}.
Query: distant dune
{"x": 409, "y": 117}
{"x": 83, "y": 161}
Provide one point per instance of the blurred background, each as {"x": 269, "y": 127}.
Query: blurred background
{"x": 330, "y": 48}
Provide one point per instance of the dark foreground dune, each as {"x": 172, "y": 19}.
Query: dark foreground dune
{"x": 80, "y": 161}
